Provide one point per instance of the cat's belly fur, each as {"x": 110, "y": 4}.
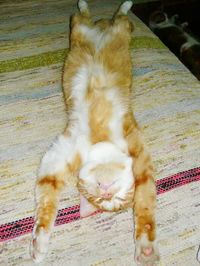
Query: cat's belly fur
{"x": 97, "y": 114}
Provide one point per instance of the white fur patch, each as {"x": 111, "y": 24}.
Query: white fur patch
{"x": 62, "y": 152}
{"x": 95, "y": 35}
{"x": 103, "y": 153}
{"x": 79, "y": 114}
{"x": 115, "y": 124}
{"x": 39, "y": 245}
{"x": 54, "y": 160}
{"x": 125, "y": 7}
{"x": 83, "y": 6}
{"x": 63, "y": 149}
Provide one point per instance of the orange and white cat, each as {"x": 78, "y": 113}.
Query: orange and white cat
{"x": 102, "y": 143}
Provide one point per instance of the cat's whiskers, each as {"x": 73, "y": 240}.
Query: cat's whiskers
{"x": 121, "y": 199}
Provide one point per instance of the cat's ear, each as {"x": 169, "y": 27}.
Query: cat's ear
{"x": 86, "y": 208}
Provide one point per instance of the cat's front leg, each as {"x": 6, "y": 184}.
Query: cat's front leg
{"x": 55, "y": 170}
{"x": 146, "y": 253}
{"x": 48, "y": 188}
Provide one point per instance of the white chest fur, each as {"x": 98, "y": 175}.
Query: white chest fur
{"x": 80, "y": 112}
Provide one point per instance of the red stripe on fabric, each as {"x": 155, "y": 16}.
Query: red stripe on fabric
{"x": 168, "y": 183}
{"x": 24, "y": 226}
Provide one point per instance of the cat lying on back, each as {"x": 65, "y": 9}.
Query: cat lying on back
{"x": 102, "y": 143}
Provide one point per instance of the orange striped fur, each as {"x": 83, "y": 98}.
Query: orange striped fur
{"x": 102, "y": 142}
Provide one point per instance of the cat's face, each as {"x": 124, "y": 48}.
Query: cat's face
{"x": 107, "y": 182}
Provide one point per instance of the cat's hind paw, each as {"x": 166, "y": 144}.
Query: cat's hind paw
{"x": 83, "y": 6}
{"x": 39, "y": 244}
{"x": 125, "y": 7}
{"x": 146, "y": 253}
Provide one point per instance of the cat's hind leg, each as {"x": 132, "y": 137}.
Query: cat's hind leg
{"x": 83, "y": 8}
{"x": 54, "y": 172}
{"x": 120, "y": 21}
{"x": 83, "y": 16}
{"x": 124, "y": 8}
{"x": 81, "y": 28}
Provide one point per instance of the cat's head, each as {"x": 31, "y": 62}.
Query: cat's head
{"x": 106, "y": 179}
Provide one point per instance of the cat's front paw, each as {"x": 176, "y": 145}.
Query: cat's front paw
{"x": 146, "y": 253}
{"x": 39, "y": 244}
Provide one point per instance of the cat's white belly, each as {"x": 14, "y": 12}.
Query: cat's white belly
{"x": 80, "y": 112}
{"x": 96, "y": 36}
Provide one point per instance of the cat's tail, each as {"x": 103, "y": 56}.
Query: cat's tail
{"x": 124, "y": 8}
{"x": 83, "y": 8}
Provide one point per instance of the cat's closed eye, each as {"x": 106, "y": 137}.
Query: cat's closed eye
{"x": 105, "y": 186}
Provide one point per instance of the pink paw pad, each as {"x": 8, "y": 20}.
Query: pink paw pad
{"x": 147, "y": 251}
{"x": 148, "y": 226}
{"x": 138, "y": 258}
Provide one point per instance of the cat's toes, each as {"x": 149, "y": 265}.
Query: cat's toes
{"x": 39, "y": 244}
{"x": 125, "y": 7}
{"x": 83, "y": 6}
{"x": 146, "y": 253}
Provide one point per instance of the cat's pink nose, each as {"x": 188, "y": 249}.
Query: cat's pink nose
{"x": 104, "y": 186}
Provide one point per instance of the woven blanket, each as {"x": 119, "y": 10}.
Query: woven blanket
{"x": 166, "y": 102}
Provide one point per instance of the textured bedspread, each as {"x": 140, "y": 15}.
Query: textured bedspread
{"x": 166, "y": 102}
